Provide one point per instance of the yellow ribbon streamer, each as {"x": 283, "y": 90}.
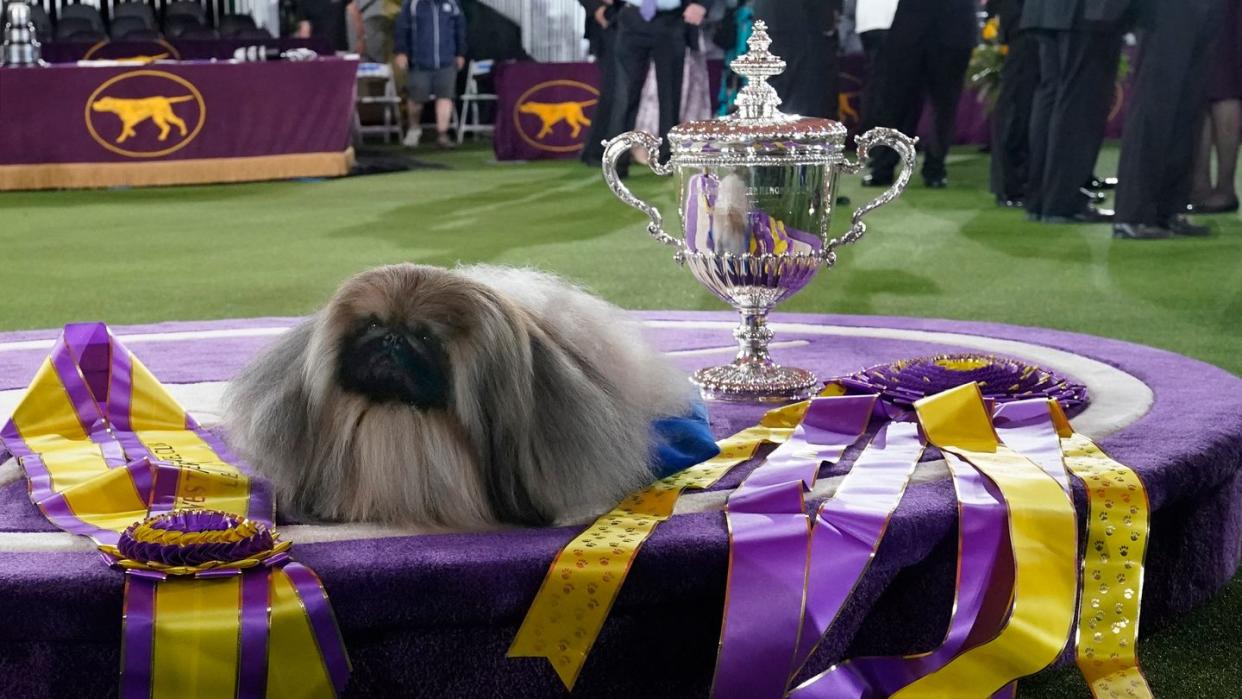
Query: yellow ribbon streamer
{"x": 1112, "y": 571}
{"x": 1043, "y": 532}
{"x": 584, "y": 579}
{"x": 197, "y": 621}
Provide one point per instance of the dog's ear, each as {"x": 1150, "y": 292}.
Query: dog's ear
{"x": 495, "y": 404}
{"x": 266, "y": 408}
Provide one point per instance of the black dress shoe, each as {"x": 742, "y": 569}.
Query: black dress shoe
{"x": 1140, "y": 231}
{"x": 1180, "y": 225}
{"x": 1099, "y": 183}
{"x": 1090, "y": 214}
{"x": 936, "y": 182}
{"x": 1210, "y": 206}
{"x": 1010, "y": 203}
{"x": 873, "y": 180}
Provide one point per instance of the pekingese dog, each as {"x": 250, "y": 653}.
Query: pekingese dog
{"x": 461, "y": 398}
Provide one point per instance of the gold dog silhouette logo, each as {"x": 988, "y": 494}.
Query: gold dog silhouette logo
{"x": 145, "y": 113}
{"x": 555, "y": 115}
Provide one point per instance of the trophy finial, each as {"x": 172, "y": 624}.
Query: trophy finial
{"x": 758, "y": 100}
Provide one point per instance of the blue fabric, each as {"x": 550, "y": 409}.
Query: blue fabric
{"x": 677, "y": 443}
{"x": 431, "y": 32}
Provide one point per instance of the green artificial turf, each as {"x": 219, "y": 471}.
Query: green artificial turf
{"x": 281, "y": 248}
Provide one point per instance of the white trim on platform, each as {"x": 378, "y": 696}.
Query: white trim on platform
{"x": 1118, "y": 400}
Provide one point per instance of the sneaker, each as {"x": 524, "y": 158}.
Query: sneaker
{"x": 412, "y": 137}
{"x": 443, "y": 142}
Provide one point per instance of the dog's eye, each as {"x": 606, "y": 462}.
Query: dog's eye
{"x": 372, "y": 323}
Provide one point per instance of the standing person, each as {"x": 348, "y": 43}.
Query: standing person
{"x": 1158, "y": 144}
{"x": 1011, "y": 118}
{"x": 375, "y": 19}
{"x": 1079, "y": 49}
{"x": 1222, "y": 127}
{"x": 926, "y": 52}
{"x": 653, "y": 31}
{"x": 601, "y": 32}
{"x": 325, "y": 18}
{"x": 430, "y": 43}
{"x": 804, "y": 34}
{"x": 872, "y": 19}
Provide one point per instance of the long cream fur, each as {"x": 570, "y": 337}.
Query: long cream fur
{"x": 553, "y": 393}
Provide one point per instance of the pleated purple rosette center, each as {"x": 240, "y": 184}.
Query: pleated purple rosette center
{"x": 1001, "y": 379}
{"x": 194, "y": 538}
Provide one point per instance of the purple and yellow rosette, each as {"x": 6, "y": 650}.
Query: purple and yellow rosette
{"x": 214, "y": 604}
{"x": 1000, "y": 380}
{"x": 194, "y": 542}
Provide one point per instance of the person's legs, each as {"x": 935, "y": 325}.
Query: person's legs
{"x": 1085, "y": 92}
{"x": 418, "y": 84}
{"x": 444, "y": 114}
{"x": 444, "y": 87}
{"x": 1157, "y": 148}
{"x": 873, "y": 48}
{"x": 601, "y": 120}
{"x": 635, "y": 44}
{"x": 1192, "y": 62}
{"x": 945, "y": 71}
{"x": 669, "y": 55}
{"x": 1201, "y": 182}
{"x": 899, "y": 102}
{"x": 1042, "y": 107}
{"x": 1011, "y": 118}
{"x": 1227, "y": 133}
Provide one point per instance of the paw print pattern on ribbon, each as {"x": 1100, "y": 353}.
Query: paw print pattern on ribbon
{"x": 1117, "y": 527}
{"x": 578, "y": 591}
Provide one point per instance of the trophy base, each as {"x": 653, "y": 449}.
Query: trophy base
{"x": 749, "y": 383}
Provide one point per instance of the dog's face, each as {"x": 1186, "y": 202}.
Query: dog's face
{"x": 393, "y": 331}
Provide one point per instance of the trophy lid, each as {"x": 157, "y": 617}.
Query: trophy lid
{"x": 758, "y": 131}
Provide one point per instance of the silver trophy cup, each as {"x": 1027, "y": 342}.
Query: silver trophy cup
{"x": 755, "y": 192}
{"x": 21, "y": 45}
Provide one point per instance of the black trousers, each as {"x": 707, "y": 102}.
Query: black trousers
{"x": 1011, "y": 118}
{"x": 1077, "y": 75}
{"x": 809, "y": 85}
{"x": 601, "y": 122}
{"x": 873, "y": 45}
{"x": 662, "y": 41}
{"x": 1170, "y": 89}
{"x": 908, "y": 74}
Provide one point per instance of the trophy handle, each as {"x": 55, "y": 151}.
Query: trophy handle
{"x": 879, "y": 136}
{"x": 613, "y": 150}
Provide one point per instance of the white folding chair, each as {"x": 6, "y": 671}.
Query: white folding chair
{"x": 388, "y": 100}
{"x": 471, "y": 122}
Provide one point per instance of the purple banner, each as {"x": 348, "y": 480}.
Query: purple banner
{"x": 544, "y": 110}
{"x": 170, "y": 112}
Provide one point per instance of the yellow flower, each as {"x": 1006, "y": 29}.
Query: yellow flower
{"x": 991, "y": 29}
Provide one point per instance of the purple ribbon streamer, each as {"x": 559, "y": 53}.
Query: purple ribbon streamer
{"x": 1026, "y": 427}
{"x": 138, "y": 650}
{"x": 323, "y": 622}
{"x": 984, "y": 579}
{"x": 769, "y": 548}
{"x": 252, "y": 660}
{"x": 849, "y": 526}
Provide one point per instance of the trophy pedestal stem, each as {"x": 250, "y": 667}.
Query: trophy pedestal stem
{"x": 753, "y": 377}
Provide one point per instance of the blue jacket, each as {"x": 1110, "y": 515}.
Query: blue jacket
{"x": 431, "y": 32}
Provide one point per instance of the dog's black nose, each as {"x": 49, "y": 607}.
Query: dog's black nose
{"x": 392, "y": 339}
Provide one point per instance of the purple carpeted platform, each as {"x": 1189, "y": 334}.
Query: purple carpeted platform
{"x": 432, "y": 615}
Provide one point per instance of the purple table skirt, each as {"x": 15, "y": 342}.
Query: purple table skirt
{"x": 433, "y": 615}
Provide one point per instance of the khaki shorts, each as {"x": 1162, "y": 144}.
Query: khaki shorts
{"x": 440, "y": 83}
